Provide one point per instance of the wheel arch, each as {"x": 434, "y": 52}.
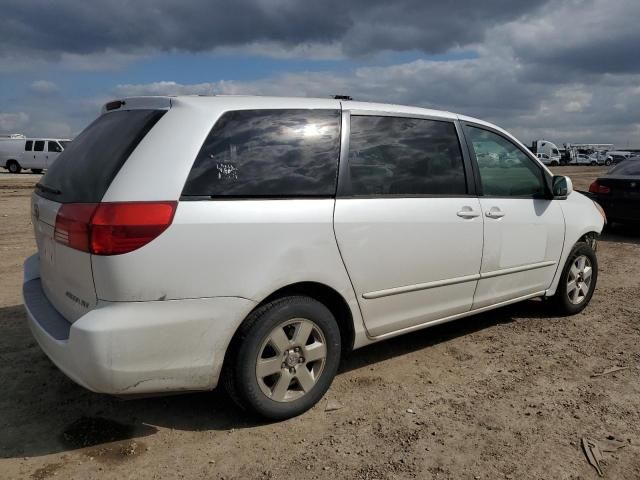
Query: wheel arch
{"x": 329, "y": 297}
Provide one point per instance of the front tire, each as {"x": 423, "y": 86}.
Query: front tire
{"x": 13, "y": 166}
{"x": 593, "y": 164}
{"x": 578, "y": 280}
{"x": 283, "y": 358}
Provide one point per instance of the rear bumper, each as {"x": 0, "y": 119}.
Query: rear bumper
{"x": 126, "y": 348}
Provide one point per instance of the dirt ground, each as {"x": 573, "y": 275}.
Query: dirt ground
{"x": 507, "y": 394}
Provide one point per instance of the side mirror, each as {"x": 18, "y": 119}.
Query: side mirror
{"x": 562, "y": 187}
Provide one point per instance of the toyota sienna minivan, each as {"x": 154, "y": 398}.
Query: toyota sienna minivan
{"x": 185, "y": 242}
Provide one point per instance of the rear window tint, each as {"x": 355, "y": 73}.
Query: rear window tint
{"x": 83, "y": 172}
{"x": 268, "y": 153}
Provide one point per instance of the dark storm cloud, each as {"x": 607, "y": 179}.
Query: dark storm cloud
{"x": 359, "y": 26}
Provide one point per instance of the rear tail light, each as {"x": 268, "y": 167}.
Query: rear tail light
{"x": 112, "y": 228}
{"x": 595, "y": 187}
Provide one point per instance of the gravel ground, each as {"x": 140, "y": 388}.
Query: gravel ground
{"x": 506, "y": 394}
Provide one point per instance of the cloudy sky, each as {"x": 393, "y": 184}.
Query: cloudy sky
{"x": 564, "y": 70}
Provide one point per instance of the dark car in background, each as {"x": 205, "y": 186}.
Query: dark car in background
{"x": 618, "y": 191}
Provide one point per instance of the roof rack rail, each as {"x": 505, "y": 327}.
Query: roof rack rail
{"x": 342, "y": 97}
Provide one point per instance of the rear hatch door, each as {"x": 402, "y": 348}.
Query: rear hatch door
{"x": 80, "y": 177}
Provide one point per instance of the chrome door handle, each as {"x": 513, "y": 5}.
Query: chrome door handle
{"x": 467, "y": 212}
{"x": 495, "y": 212}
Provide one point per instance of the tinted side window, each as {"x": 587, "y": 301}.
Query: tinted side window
{"x": 28, "y": 145}
{"x": 268, "y": 153}
{"x": 38, "y": 146}
{"x": 505, "y": 170}
{"x": 405, "y": 156}
{"x": 53, "y": 147}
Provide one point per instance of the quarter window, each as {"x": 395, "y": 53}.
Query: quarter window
{"x": 404, "y": 156}
{"x": 38, "y": 146}
{"x": 28, "y": 145}
{"x": 505, "y": 170}
{"x": 268, "y": 153}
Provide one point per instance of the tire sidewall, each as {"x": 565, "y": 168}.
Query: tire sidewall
{"x": 563, "y": 302}
{"x": 246, "y": 382}
{"x": 13, "y": 167}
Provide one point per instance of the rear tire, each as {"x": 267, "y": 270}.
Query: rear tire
{"x": 578, "y": 280}
{"x": 283, "y": 358}
{"x": 13, "y": 166}
{"x": 607, "y": 162}
{"x": 593, "y": 164}
{"x": 554, "y": 164}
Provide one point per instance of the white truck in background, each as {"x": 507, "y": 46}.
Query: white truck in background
{"x": 547, "y": 152}
{"x": 18, "y": 152}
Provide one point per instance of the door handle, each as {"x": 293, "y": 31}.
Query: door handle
{"x": 495, "y": 212}
{"x": 467, "y": 212}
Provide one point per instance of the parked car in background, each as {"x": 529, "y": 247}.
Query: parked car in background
{"x": 279, "y": 233}
{"x": 618, "y": 156}
{"x": 618, "y": 191}
{"x": 36, "y": 154}
{"x": 544, "y": 158}
{"x": 582, "y": 159}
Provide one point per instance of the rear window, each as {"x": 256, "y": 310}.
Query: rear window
{"x": 628, "y": 167}
{"x": 83, "y": 172}
{"x": 28, "y": 145}
{"x": 268, "y": 153}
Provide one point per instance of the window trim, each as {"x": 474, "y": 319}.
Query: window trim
{"x": 223, "y": 198}
{"x": 547, "y": 179}
{"x": 344, "y": 175}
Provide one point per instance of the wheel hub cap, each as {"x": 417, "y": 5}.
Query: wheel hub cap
{"x": 579, "y": 279}
{"x": 291, "y": 360}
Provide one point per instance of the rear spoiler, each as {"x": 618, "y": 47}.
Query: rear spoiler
{"x": 138, "y": 103}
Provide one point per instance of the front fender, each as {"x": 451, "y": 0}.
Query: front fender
{"x": 581, "y": 218}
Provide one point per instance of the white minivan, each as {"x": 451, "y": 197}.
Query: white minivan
{"x": 185, "y": 242}
{"x": 36, "y": 154}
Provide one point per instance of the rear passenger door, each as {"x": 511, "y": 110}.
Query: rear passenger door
{"x": 523, "y": 226}
{"x": 407, "y": 220}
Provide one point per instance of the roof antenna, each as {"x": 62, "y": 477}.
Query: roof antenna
{"x": 342, "y": 97}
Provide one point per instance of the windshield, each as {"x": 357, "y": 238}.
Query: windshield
{"x": 86, "y": 168}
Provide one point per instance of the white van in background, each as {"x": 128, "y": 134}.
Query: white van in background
{"x": 37, "y": 154}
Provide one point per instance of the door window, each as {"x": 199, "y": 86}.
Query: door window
{"x": 38, "y": 146}
{"x": 405, "y": 156}
{"x": 505, "y": 170}
{"x": 268, "y": 153}
{"x": 53, "y": 147}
